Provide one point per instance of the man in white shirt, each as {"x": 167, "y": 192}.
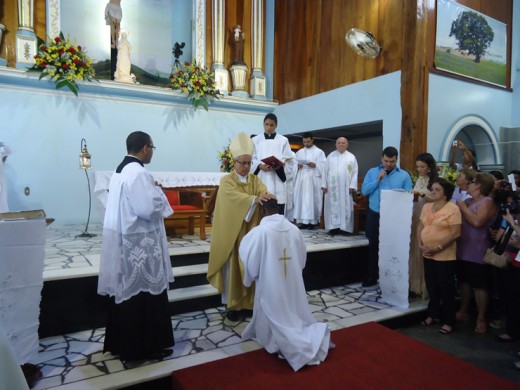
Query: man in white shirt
{"x": 274, "y": 255}
{"x": 308, "y": 196}
{"x": 340, "y": 181}
{"x": 267, "y": 145}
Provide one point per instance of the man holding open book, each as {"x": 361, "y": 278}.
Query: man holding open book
{"x": 271, "y": 152}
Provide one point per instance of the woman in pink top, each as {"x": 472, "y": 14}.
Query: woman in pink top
{"x": 437, "y": 233}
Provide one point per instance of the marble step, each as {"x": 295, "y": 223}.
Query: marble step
{"x": 194, "y": 292}
{"x": 187, "y": 270}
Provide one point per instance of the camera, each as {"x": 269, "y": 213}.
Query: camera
{"x": 513, "y": 207}
{"x": 507, "y": 199}
{"x": 455, "y": 143}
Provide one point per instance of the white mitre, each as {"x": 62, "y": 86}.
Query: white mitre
{"x": 240, "y": 145}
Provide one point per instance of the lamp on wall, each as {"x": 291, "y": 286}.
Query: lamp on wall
{"x": 85, "y": 164}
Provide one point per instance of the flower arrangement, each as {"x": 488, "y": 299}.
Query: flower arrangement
{"x": 196, "y": 81}
{"x": 64, "y": 62}
{"x": 413, "y": 175}
{"x": 226, "y": 160}
{"x": 448, "y": 173}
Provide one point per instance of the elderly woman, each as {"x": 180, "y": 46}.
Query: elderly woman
{"x": 473, "y": 274}
{"x": 438, "y": 230}
{"x": 463, "y": 179}
{"x": 427, "y": 170}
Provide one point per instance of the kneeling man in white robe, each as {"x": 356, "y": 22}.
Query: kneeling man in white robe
{"x": 274, "y": 255}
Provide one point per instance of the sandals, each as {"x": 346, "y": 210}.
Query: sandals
{"x": 504, "y": 338}
{"x": 445, "y": 329}
{"x": 427, "y": 321}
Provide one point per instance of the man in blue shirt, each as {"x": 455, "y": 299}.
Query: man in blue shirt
{"x": 387, "y": 176}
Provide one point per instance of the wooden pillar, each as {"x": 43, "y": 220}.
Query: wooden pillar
{"x": 414, "y": 79}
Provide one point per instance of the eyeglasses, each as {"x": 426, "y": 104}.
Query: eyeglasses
{"x": 244, "y": 162}
{"x": 151, "y": 146}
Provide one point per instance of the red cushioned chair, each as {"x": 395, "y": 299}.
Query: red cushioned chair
{"x": 188, "y": 204}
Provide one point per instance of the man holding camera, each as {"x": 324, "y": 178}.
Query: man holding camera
{"x": 386, "y": 176}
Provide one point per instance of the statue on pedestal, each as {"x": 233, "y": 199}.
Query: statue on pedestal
{"x": 123, "y": 67}
{"x": 113, "y": 16}
{"x": 238, "y": 45}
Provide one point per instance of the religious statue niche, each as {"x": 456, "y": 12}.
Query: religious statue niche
{"x": 237, "y": 42}
{"x": 238, "y": 68}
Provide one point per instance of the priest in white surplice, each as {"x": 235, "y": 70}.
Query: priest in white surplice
{"x": 267, "y": 145}
{"x": 274, "y": 255}
{"x": 135, "y": 269}
{"x": 341, "y": 180}
{"x": 308, "y": 196}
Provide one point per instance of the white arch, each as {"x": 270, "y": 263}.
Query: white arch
{"x": 459, "y": 125}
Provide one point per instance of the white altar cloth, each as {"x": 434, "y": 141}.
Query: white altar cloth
{"x": 166, "y": 179}
{"x": 22, "y": 252}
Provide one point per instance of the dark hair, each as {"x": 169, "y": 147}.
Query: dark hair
{"x": 469, "y": 173}
{"x": 272, "y": 117}
{"x": 136, "y": 141}
{"x": 514, "y": 172}
{"x": 497, "y": 175}
{"x": 428, "y": 159}
{"x": 446, "y": 186}
{"x": 307, "y": 134}
{"x": 390, "y": 151}
{"x": 270, "y": 206}
{"x": 486, "y": 181}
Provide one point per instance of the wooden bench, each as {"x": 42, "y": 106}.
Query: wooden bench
{"x": 190, "y": 205}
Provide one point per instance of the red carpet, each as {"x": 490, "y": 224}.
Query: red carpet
{"x": 367, "y": 356}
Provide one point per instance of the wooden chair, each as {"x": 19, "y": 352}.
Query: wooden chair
{"x": 190, "y": 204}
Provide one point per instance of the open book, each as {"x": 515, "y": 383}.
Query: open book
{"x": 273, "y": 162}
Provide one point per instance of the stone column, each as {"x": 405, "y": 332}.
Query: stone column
{"x": 218, "y": 33}
{"x": 257, "y": 82}
{"x": 199, "y": 32}
{"x": 26, "y": 42}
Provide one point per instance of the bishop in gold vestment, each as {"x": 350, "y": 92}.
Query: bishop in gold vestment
{"x": 236, "y": 213}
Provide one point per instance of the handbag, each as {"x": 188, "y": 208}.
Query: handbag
{"x": 500, "y": 259}
{"x": 496, "y": 260}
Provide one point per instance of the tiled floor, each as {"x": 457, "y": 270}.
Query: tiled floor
{"x": 75, "y": 361}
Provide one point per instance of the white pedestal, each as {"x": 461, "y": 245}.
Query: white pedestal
{"x": 238, "y": 77}
{"x": 22, "y": 252}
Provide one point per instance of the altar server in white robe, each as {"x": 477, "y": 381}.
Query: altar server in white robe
{"x": 274, "y": 255}
{"x": 267, "y": 145}
{"x": 135, "y": 269}
{"x": 4, "y": 152}
{"x": 340, "y": 181}
{"x": 308, "y": 196}
{"x": 291, "y": 169}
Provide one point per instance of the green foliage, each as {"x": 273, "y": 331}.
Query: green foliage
{"x": 473, "y": 33}
{"x": 490, "y": 71}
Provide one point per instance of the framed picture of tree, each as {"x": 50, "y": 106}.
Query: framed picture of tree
{"x": 470, "y": 44}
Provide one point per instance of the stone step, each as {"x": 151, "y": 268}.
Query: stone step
{"x": 194, "y": 292}
{"x": 187, "y": 270}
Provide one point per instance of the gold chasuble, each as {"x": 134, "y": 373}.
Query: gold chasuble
{"x": 234, "y": 199}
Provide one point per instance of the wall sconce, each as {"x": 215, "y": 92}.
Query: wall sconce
{"x": 86, "y": 163}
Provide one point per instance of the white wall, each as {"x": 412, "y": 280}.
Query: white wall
{"x": 450, "y": 100}
{"x": 44, "y": 129}
{"x": 375, "y": 99}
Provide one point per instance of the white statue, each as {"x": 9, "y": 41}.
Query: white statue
{"x": 113, "y": 16}
{"x": 124, "y": 50}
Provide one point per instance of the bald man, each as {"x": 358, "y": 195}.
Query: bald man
{"x": 340, "y": 181}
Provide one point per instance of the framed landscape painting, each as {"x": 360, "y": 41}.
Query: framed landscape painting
{"x": 470, "y": 44}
